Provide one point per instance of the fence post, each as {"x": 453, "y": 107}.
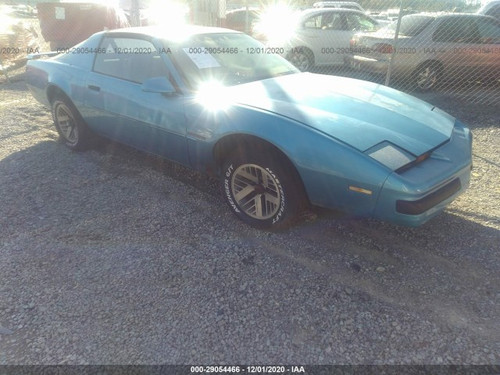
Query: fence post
{"x": 395, "y": 46}
{"x": 135, "y": 13}
{"x": 246, "y": 16}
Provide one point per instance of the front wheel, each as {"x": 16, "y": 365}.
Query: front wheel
{"x": 427, "y": 76}
{"x": 263, "y": 190}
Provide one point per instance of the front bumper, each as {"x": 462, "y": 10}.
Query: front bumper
{"x": 366, "y": 64}
{"x": 403, "y": 66}
{"x": 433, "y": 199}
{"x": 422, "y": 192}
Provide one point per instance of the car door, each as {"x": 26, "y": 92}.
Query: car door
{"x": 326, "y": 35}
{"x": 456, "y": 44}
{"x": 117, "y": 106}
{"x": 489, "y": 33}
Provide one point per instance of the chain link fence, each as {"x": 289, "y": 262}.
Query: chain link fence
{"x": 445, "y": 46}
{"x": 441, "y": 46}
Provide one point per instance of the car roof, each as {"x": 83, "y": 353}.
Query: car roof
{"x": 335, "y": 4}
{"x": 489, "y": 5}
{"x": 447, "y": 15}
{"x": 325, "y": 10}
{"x": 173, "y": 33}
{"x": 462, "y": 15}
{"x": 239, "y": 10}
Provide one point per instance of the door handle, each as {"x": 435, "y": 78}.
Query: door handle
{"x": 94, "y": 88}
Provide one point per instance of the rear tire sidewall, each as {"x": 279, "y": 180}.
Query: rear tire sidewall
{"x": 289, "y": 196}
{"x": 79, "y": 127}
{"x": 302, "y": 59}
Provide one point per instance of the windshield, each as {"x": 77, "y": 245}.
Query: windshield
{"x": 228, "y": 58}
{"x": 411, "y": 25}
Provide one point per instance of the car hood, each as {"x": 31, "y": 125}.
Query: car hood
{"x": 359, "y": 113}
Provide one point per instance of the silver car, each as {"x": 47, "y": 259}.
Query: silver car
{"x": 432, "y": 48}
{"x": 322, "y": 36}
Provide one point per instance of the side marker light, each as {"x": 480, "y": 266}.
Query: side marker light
{"x": 360, "y": 190}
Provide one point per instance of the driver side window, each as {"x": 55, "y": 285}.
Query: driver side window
{"x": 130, "y": 59}
{"x": 325, "y": 21}
{"x": 462, "y": 30}
{"x": 313, "y": 22}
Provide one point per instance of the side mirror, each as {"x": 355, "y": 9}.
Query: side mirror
{"x": 160, "y": 85}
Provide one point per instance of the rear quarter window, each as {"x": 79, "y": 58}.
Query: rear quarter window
{"x": 494, "y": 12}
{"x": 457, "y": 30}
{"x": 412, "y": 25}
{"x": 489, "y": 31}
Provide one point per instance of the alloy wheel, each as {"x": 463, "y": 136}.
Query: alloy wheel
{"x": 427, "y": 77}
{"x": 256, "y": 191}
{"x": 66, "y": 123}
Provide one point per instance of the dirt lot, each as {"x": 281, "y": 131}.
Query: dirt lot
{"x": 113, "y": 257}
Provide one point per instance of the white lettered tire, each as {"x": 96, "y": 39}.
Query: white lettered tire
{"x": 262, "y": 189}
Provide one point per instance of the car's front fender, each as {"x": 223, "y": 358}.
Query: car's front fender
{"x": 334, "y": 174}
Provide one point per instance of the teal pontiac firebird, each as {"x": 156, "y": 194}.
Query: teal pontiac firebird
{"x": 220, "y": 102}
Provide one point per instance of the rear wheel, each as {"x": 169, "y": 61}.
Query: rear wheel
{"x": 302, "y": 58}
{"x": 69, "y": 124}
{"x": 262, "y": 189}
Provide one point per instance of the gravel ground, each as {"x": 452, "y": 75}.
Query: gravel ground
{"x": 113, "y": 257}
